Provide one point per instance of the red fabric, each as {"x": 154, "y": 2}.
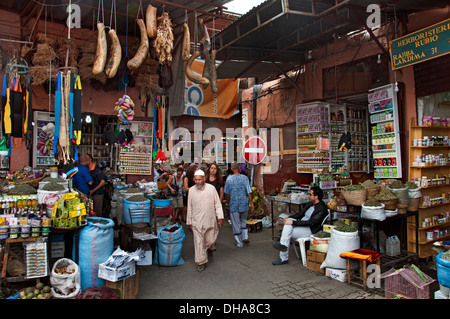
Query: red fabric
{"x": 164, "y": 211}
{"x": 361, "y": 254}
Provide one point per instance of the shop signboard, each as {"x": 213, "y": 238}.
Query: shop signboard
{"x": 425, "y": 44}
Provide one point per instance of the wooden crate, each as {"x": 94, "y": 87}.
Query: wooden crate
{"x": 126, "y": 288}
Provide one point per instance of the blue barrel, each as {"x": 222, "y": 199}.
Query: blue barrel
{"x": 96, "y": 244}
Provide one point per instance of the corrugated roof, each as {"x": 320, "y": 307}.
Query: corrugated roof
{"x": 56, "y": 10}
{"x": 283, "y": 31}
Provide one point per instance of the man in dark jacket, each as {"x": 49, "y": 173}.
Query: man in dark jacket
{"x": 303, "y": 224}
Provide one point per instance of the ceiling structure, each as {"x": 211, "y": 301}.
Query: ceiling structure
{"x": 277, "y": 35}
{"x": 269, "y": 40}
{"x": 117, "y": 11}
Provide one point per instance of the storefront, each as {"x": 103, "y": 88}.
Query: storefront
{"x": 373, "y": 135}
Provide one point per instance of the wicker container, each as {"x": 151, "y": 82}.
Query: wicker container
{"x": 402, "y": 208}
{"x": 355, "y": 197}
{"x": 390, "y": 204}
{"x": 413, "y": 204}
{"x": 372, "y": 191}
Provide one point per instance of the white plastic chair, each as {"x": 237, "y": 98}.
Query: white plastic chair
{"x": 301, "y": 243}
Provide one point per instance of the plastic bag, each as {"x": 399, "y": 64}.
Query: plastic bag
{"x": 340, "y": 242}
{"x": 319, "y": 244}
{"x": 323, "y": 144}
{"x": 414, "y": 193}
{"x": 373, "y": 212}
{"x": 63, "y": 284}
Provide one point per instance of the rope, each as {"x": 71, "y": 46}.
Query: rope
{"x": 98, "y": 11}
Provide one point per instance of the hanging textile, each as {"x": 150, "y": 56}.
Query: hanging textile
{"x": 57, "y": 114}
{"x": 76, "y": 138}
{"x": 64, "y": 125}
{"x": 27, "y": 126}
{"x": 17, "y": 113}
{"x": 7, "y": 112}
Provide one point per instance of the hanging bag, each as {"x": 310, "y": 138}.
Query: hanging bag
{"x": 323, "y": 144}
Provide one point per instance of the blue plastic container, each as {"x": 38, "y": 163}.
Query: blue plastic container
{"x": 162, "y": 202}
{"x": 443, "y": 270}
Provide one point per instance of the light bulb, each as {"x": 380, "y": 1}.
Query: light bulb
{"x": 309, "y": 55}
{"x": 88, "y": 119}
{"x": 396, "y": 87}
{"x": 379, "y": 59}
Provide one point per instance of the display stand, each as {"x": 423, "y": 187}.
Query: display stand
{"x": 12, "y": 241}
{"x": 136, "y": 158}
{"x": 405, "y": 255}
{"x": 384, "y": 119}
{"x": 431, "y": 187}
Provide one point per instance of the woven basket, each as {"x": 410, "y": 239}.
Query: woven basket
{"x": 355, "y": 197}
{"x": 32, "y": 182}
{"x": 413, "y": 204}
{"x": 402, "y": 208}
{"x": 390, "y": 204}
{"x": 372, "y": 191}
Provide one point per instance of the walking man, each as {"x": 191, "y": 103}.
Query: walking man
{"x": 238, "y": 194}
{"x": 204, "y": 215}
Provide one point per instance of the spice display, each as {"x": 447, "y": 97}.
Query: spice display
{"x": 22, "y": 189}
{"x": 446, "y": 255}
{"x": 53, "y": 187}
{"x": 53, "y": 180}
{"x": 397, "y": 185}
{"x": 322, "y": 234}
{"x": 350, "y": 188}
{"x": 385, "y": 194}
{"x": 132, "y": 190}
{"x": 411, "y": 185}
{"x": 373, "y": 202}
{"x": 346, "y": 228}
{"x": 368, "y": 184}
{"x": 137, "y": 198}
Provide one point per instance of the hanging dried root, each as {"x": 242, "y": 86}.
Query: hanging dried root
{"x": 102, "y": 47}
{"x": 116, "y": 55}
{"x": 142, "y": 51}
{"x": 194, "y": 78}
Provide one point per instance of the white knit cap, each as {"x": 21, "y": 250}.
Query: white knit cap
{"x": 199, "y": 172}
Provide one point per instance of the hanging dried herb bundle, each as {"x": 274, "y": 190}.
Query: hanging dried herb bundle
{"x": 164, "y": 39}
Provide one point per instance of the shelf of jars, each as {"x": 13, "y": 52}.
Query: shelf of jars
{"x": 136, "y": 158}
{"x": 384, "y": 121}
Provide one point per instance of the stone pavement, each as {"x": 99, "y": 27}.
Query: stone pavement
{"x": 242, "y": 273}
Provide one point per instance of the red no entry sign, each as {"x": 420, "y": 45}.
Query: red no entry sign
{"x": 254, "y": 150}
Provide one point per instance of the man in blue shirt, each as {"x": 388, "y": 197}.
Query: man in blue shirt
{"x": 238, "y": 195}
{"x": 82, "y": 179}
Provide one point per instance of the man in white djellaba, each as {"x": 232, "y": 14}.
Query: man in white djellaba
{"x": 204, "y": 216}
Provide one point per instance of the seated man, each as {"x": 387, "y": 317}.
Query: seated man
{"x": 303, "y": 224}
